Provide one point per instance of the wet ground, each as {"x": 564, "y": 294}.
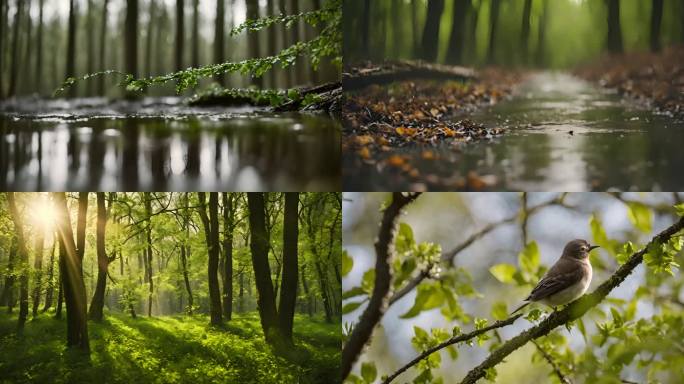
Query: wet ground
{"x": 562, "y": 134}
{"x": 162, "y": 144}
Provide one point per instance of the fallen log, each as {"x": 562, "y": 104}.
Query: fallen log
{"x": 360, "y": 77}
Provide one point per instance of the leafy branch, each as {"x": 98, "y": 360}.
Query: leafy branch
{"x": 454, "y": 340}
{"x": 575, "y": 309}
{"x": 383, "y": 276}
{"x": 312, "y": 18}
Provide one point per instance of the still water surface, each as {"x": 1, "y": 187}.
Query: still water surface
{"x": 161, "y": 144}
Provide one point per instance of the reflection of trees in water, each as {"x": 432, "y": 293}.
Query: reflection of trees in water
{"x": 129, "y": 165}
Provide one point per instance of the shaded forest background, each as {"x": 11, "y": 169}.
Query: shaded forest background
{"x": 44, "y": 42}
{"x": 544, "y": 33}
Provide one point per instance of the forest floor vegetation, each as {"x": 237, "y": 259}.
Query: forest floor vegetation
{"x": 167, "y": 349}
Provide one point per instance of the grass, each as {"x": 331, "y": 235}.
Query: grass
{"x": 169, "y": 349}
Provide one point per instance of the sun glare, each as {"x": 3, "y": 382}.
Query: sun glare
{"x": 43, "y": 212}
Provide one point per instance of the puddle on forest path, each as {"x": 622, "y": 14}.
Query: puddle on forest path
{"x": 162, "y": 144}
{"x": 563, "y": 134}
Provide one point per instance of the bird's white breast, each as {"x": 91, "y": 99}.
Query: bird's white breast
{"x": 571, "y": 293}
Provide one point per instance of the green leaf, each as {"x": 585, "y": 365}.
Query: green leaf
{"x": 356, "y": 291}
{"x": 500, "y": 310}
{"x": 679, "y": 209}
{"x": 529, "y": 258}
{"x": 534, "y": 314}
{"x": 404, "y": 241}
{"x": 640, "y": 215}
{"x": 625, "y": 253}
{"x": 350, "y": 307}
{"x": 428, "y": 297}
{"x": 368, "y": 281}
{"x": 369, "y": 372}
{"x": 347, "y": 263}
{"x": 503, "y": 272}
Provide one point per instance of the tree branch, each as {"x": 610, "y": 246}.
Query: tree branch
{"x": 383, "y": 276}
{"x": 549, "y": 359}
{"x": 572, "y": 311}
{"x": 453, "y": 340}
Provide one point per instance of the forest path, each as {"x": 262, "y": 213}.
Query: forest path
{"x": 163, "y": 144}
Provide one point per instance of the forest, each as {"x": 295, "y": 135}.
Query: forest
{"x": 170, "y": 287}
{"x": 502, "y": 94}
{"x": 152, "y": 84}
{"x": 431, "y": 281}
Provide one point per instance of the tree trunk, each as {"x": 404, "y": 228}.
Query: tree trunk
{"x": 51, "y": 276}
{"x": 71, "y": 47}
{"x": 525, "y": 35}
{"x": 97, "y": 302}
{"x": 430, "y": 40}
{"x": 305, "y": 286}
{"x": 8, "y": 288}
{"x": 23, "y": 260}
{"x": 150, "y": 43}
{"x": 262, "y": 271}
{"x": 272, "y": 50}
{"x": 365, "y": 29}
{"x": 288, "y": 293}
{"x": 148, "y": 256}
{"x": 39, "y": 51}
{"x": 323, "y": 281}
{"x": 131, "y": 40}
{"x": 26, "y": 67}
{"x": 74, "y": 289}
{"x": 180, "y": 33}
{"x": 3, "y": 33}
{"x": 186, "y": 248}
{"x": 253, "y": 39}
{"x": 286, "y": 43}
{"x": 103, "y": 39}
{"x": 211, "y": 236}
{"x": 614, "y": 28}
{"x": 219, "y": 41}
{"x": 458, "y": 32}
{"x": 14, "y": 70}
{"x": 38, "y": 267}
{"x": 228, "y": 228}
{"x": 81, "y": 224}
{"x": 541, "y": 36}
{"x": 60, "y": 277}
{"x": 195, "y": 34}
{"x": 656, "y": 20}
{"x": 90, "y": 41}
{"x": 493, "y": 28}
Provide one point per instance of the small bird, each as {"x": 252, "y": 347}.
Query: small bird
{"x": 567, "y": 280}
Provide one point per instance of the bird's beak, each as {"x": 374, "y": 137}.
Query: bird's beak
{"x": 592, "y": 247}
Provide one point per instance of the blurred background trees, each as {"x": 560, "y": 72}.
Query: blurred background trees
{"x": 462, "y": 261}
{"x": 558, "y": 33}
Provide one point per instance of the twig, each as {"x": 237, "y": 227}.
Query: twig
{"x": 453, "y": 340}
{"x": 552, "y": 363}
{"x": 572, "y": 311}
{"x": 383, "y": 276}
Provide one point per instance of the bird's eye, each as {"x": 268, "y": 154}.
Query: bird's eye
{"x": 584, "y": 248}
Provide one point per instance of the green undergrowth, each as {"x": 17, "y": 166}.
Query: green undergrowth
{"x": 169, "y": 349}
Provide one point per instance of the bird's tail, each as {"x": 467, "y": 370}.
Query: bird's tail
{"x": 520, "y": 307}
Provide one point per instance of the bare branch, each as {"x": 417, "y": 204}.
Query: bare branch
{"x": 383, "y": 276}
{"x": 572, "y": 311}
{"x": 549, "y": 359}
{"x": 453, "y": 340}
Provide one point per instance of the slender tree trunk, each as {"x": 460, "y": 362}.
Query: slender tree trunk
{"x": 180, "y": 33}
{"x": 415, "y": 28}
{"x": 525, "y": 35}
{"x": 81, "y": 224}
{"x": 131, "y": 39}
{"x": 365, "y": 29}
{"x": 272, "y": 50}
{"x": 262, "y": 271}
{"x": 185, "y": 252}
{"x": 458, "y": 32}
{"x": 288, "y": 294}
{"x": 72, "y": 279}
{"x": 430, "y": 41}
{"x": 97, "y": 302}
{"x": 38, "y": 269}
{"x": 90, "y": 41}
{"x": 195, "y": 34}
{"x": 14, "y": 70}
{"x": 253, "y": 38}
{"x": 39, "y": 51}
{"x": 541, "y": 36}
{"x": 26, "y": 75}
{"x": 656, "y": 20}
{"x": 210, "y": 224}
{"x": 51, "y": 276}
{"x": 71, "y": 47}
{"x": 307, "y": 295}
{"x": 228, "y": 228}
{"x": 219, "y": 42}
{"x": 3, "y": 33}
{"x": 493, "y": 29}
{"x": 103, "y": 39}
{"x": 150, "y": 43}
{"x": 148, "y": 256}
{"x": 286, "y": 43}
{"x": 323, "y": 281}
{"x": 23, "y": 260}
{"x": 614, "y": 28}
{"x": 8, "y": 288}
